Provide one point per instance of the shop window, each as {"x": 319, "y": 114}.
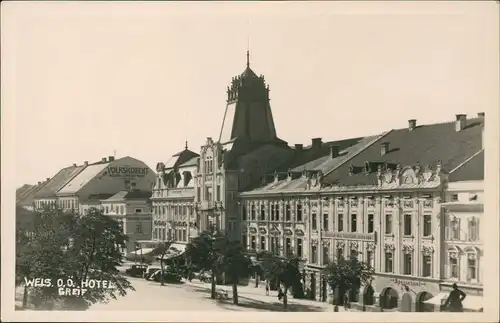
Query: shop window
{"x": 389, "y": 262}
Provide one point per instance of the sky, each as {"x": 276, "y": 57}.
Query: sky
{"x": 81, "y": 81}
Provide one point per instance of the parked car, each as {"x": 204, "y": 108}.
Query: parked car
{"x": 136, "y": 270}
{"x": 205, "y": 276}
{"x": 169, "y": 276}
{"x": 150, "y": 271}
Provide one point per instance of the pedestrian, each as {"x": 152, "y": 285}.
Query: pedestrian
{"x": 280, "y": 293}
{"x": 346, "y": 300}
{"x": 454, "y": 301}
{"x": 267, "y": 288}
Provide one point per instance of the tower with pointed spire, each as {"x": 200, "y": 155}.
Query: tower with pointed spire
{"x": 248, "y": 113}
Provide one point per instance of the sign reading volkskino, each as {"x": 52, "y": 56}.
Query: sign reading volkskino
{"x": 127, "y": 171}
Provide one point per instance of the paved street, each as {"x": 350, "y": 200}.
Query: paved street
{"x": 195, "y": 296}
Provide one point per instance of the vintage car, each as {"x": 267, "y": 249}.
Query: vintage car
{"x": 169, "y": 276}
{"x": 136, "y": 270}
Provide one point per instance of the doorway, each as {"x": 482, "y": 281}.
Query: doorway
{"x": 368, "y": 298}
{"x": 389, "y": 298}
{"x": 313, "y": 286}
{"x": 421, "y": 306}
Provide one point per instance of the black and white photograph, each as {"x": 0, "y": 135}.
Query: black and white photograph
{"x": 291, "y": 161}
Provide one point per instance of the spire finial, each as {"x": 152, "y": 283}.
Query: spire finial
{"x": 248, "y": 58}
{"x": 186, "y": 146}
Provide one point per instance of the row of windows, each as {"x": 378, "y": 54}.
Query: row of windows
{"x": 208, "y": 165}
{"x": 64, "y": 204}
{"x": 175, "y": 234}
{"x": 173, "y": 210}
{"x": 209, "y": 193}
{"x": 274, "y": 213}
{"x": 273, "y": 245}
{"x": 112, "y": 208}
{"x": 454, "y": 268}
{"x": 454, "y": 230}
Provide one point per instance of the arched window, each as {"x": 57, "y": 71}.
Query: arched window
{"x": 472, "y": 264}
{"x": 453, "y": 263}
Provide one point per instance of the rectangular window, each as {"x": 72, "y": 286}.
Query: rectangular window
{"x": 326, "y": 255}
{"x": 454, "y": 197}
{"x": 244, "y": 213}
{"x": 341, "y": 222}
{"x": 314, "y": 221}
{"x": 407, "y": 264}
{"x": 427, "y": 225}
{"x": 288, "y": 214}
{"x": 169, "y": 234}
{"x": 370, "y": 223}
{"x": 388, "y": 223}
{"x": 299, "y": 248}
{"x": 288, "y": 247}
{"x": 272, "y": 211}
{"x": 263, "y": 212}
{"x": 407, "y": 224}
{"x": 471, "y": 269}
{"x": 138, "y": 228}
{"x": 426, "y": 266}
{"x": 325, "y": 222}
{"x": 252, "y": 244}
{"x": 388, "y": 262}
{"x": 209, "y": 193}
{"x": 155, "y": 235}
{"x": 340, "y": 253}
{"x": 277, "y": 206}
{"x": 453, "y": 267}
{"x": 218, "y": 193}
{"x": 314, "y": 254}
{"x": 370, "y": 259}
{"x": 272, "y": 243}
{"x": 354, "y": 224}
{"x": 198, "y": 193}
{"x": 252, "y": 212}
{"x": 299, "y": 212}
{"x": 262, "y": 243}
{"x": 244, "y": 241}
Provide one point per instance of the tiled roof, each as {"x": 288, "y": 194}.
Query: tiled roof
{"x": 130, "y": 195}
{"x": 424, "y": 145}
{"x": 95, "y": 197}
{"x": 27, "y": 197}
{"x": 83, "y": 178}
{"x": 58, "y": 181}
{"x": 325, "y": 164}
{"x": 189, "y": 162}
{"x": 23, "y": 189}
{"x": 471, "y": 170}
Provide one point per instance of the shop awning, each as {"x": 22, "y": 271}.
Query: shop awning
{"x": 144, "y": 251}
{"x": 439, "y": 299}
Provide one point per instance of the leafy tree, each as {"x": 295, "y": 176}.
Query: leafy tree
{"x": 284, "y": 270}
{"x": 161, "y": 250}
{"x": 348, "y": 275}
{"x": 66, "y": 245}
{"x": 202, "y": 253}
{"x": 233, "y": 261}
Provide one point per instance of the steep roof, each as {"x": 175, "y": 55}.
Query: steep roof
{"x": 83, "y": 178}
{"x": 27, "y": 197}
{"x": 325, "y": 164}
{"x": 189, "y": 162}
{"x": 424, "y": 145}
{"x": 471, "y": 170}
{"x": 59, "y": 180}
{"x": 23, "y": 189}
{"x": 180, "y": 158}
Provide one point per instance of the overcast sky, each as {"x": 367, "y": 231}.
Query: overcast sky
{"x": 82, "y": 80}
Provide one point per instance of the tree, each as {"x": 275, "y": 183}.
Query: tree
{"x": 161, "y": 250}
{"x": 348, "y": 274}
{"x": 284, "y": 270}
{"x": 201, "y": 252}
{"x": 233, "y": 261}
{"x": 68, "y": 246}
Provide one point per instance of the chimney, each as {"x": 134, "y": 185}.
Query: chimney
{"x": 47, "y": 179}
{"x": 384, "y": 148}
{"x": 334, "y": 151}
{"x": 298, "y": 147}
{"x": 86, "y": 163}
{"x": 480, "y": 114}
{"x": 103, "y": 159}
{"x": 412, "y": 124}
{"x": 316, "y": 143}
{"x": 460, "y": 122}
{"x": 39, "y": 183}
{"x": 111, "y": 158}
{"x": 74, "y": 165}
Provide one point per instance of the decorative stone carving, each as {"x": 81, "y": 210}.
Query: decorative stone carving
{"x": 427, "y": 203}
{"x": 471, "y": 255}
{"x": 453, "y": 254}
{"x": 326, "y": 242}
{"x": 353, "y": 245}
{"x": 389, "y": 202}
{"x": 427, "y": 250}
{"x": 370, "y": 246}
{"x": 340, "y": 244}
{"x": 407, "y": 249}
{"x": 340, "y": 203}
{"x": 371, "y": 202}
{"x": 408, "y": 204}
{"x": 314, "y": 242}
{"x": 354, "y": 202}
{"x": 388, "y": 247}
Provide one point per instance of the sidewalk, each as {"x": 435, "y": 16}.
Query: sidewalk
{"x": 251, "y": 293}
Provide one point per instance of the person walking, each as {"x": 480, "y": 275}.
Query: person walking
{"x": 346, "y": 300}
{"x": 454, "y": 301}
{"x": 267, "y": 288}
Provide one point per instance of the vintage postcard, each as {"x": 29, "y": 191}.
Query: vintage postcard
{"x": 291, "y": 161}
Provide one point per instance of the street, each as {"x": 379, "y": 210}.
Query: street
{"x": 195, "y": 296}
